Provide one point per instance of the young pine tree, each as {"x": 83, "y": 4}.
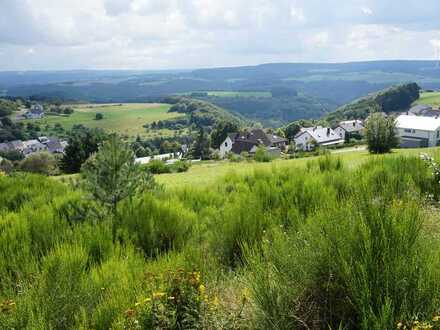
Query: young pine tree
{"x": 112, "y": 175}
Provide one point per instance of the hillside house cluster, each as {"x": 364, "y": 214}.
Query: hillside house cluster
{"x": 51, "y": 145}
{"x": 249, "y": 142}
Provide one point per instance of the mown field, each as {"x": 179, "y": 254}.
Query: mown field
{"x": 126, "y": 119}
{"x": 429, "y": 98}
{"x": 347, "y": 241}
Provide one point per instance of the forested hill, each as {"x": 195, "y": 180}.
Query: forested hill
{"x": 394, "y": 99}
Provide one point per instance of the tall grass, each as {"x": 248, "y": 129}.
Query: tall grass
{"x": 326, "y": 246}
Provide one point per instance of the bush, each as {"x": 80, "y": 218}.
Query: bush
{"x": 180, "y": 166}
{"x": 156, "y": 226}
{"x": 99, "y": 116}
{"x": 261, "y": 155}
{"x": 41, "y": 163}
{"x": 359, "y": 261}
{"x": 157, "y": 167}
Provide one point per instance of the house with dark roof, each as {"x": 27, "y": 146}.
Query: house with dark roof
{"x": 419, "y": 110}
{"x": 250, "y": 141}
{"x": 308, "y": 138}
{"x": 350, "y": 128}
{"x": 36, "y": 112}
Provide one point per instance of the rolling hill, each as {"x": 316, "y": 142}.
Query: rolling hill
{"x": 320, "y": 87}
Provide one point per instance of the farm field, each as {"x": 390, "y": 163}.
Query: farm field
{"x": 430, "y": 98}
{"x": 126, "y": 119}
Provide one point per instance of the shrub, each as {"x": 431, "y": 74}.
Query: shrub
{"x": 261, "y": 155}
{"x": 158, "y": 167}
{"x": 360, "y": 262}
{"x": 156, "y": 226}
{"x": 180, "y": 166}
{"x": 41, "y": 162}
{"x": 99, "y": 116}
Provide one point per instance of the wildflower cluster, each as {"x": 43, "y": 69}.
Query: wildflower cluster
{"x": 432, "y": 165}
{"x": 177, "y": 300}
{"x": 433, "y": 324}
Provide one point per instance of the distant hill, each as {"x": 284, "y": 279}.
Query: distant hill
{"x": 394, "y": 99}
{"x": 320, "y": 87}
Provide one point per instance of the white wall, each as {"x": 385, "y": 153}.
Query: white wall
{"x": 225, "y": 147}
{"x": 432, "y": 137}
{"x": 304, "y": 141}
{"x": 340, "y": 132}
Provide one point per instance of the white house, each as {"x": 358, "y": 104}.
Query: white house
{"x": 308, "y": 138}
{"x": 349, "y": 127}
{"x": 417, "y": 131}
{"x": 226, "y": 146}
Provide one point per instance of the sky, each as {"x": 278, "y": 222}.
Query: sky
{"x": 185, "y": 34}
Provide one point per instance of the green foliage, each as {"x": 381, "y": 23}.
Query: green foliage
{"x": 324, "y": 246}
{"x": 221, "y": 131}
{"x": 156, "y": 226}
{"x": 202, "y": 113}
{"x": 201, "y": 146}
{"x": 112, "y": 175}
{"x": 39, "y": 162}
{"x": 82, "y": 143}
{"x": 380, "y": 134}
{"x": 262, "y": 155}
{"x": 394, "y": 99}
{"x": 99, "y": 116}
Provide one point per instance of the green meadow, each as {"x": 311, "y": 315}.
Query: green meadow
{"x": 126, "y": 119}
{"x": 430, "y": 98}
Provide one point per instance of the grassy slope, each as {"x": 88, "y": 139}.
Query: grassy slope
{"x": 124, "y": 119}
{"x": 207, "y": 173}
{"x": 432, "y": 99}
{"x": 210, "y": 172}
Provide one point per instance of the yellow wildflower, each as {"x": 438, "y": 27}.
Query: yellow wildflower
{"x": 436, "y": 318}
{"x": 158, "y": 295}
{"x": 202, "y": 289}
{"x": 399, "y": 325}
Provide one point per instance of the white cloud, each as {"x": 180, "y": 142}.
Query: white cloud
{"x": 366, "y": 10}
{"x": 157, "y": 34}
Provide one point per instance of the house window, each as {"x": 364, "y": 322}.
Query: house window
{"x": 226, "y": 144}
{"x": 408, "y": 130}
{"x": 438, "y": 134}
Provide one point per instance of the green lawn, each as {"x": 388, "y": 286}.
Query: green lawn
{"x": 126, "y": 119}
{"x": 432, "y": 99}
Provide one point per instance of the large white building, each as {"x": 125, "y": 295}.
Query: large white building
{"x": 415, "y": 131}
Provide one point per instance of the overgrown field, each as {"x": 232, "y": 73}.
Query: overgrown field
{"x": 126, "y": 119}
{"x": 320, "y": 246}
{"x": 430, "y": 98}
